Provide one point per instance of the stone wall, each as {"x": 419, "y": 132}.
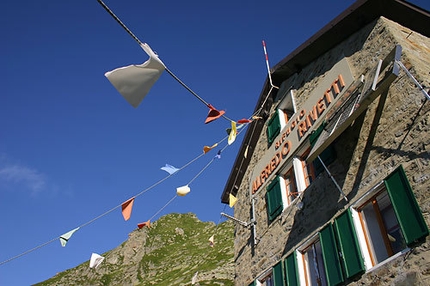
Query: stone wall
{"x": 393, "y": 130}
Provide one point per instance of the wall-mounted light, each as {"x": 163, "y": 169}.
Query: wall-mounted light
{"x": 300, "y": 205}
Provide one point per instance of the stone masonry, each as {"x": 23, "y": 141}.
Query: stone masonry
{"x": 393, "y": 130}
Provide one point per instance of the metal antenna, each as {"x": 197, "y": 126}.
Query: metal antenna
{"x": 268, "y": 67}
{"x": 245, "y": 224}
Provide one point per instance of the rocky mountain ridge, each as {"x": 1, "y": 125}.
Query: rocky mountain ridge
{"x": 170, "y": 252}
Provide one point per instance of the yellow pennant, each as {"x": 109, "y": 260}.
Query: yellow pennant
{"x": 232, "y": 200}
{"x": 233, "y": 133}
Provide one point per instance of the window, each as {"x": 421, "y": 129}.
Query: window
{"x": 275, "y": 124}
{"x": 274, "y": 202}
{"x": 304, "y": 171}
{"x": 290, "y": 184}
{"x": 272, "y": 277}
{"x": 331, "y": 256}
{"x": 390, "y": 219}
{"x": 267, "y": 281}
{"x": 313, "y": 264}
{"x": 280, "y": 193}
{"x": 308, "y": 169}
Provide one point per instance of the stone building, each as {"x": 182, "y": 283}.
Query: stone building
{"x": 332, "y": 178}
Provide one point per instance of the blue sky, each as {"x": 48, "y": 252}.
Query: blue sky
{"x": 71, "y": 148}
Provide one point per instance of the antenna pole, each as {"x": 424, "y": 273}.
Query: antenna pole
{"x": 245, "y": 224}
{"x": 267, "y": 64}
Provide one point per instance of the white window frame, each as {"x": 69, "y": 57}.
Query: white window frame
{"x": 303, "y": 265}
{"x": 363, "y": 241}
{"x": 263, "y": 277}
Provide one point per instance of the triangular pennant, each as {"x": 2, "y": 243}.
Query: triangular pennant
{"x": 213, "y": 114}
{"x": 243, "y": 121}
{"x": 134, "y": 82}
{"x": 127, "y": 207}
{"x": 233, "y": 133}
{"x": 182, "y": 191}
{"x": 169, "y": 169}
{"x": 65, "y": 237}
{"x": 218, "y": 155}
{"x": 212, "y": 241}
{"x": 232, "y": 200}
{"x": 194, "y": 279}
{"x": 255, "y": 117}
{"x": 96, "y": 260}
{"x": 146, "y": 223}
{"x": 208, "y": 148}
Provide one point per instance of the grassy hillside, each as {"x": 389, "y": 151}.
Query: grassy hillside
{"x": 169, "y": 253}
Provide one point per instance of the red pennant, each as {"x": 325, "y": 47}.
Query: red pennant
{"x": 213, "y": 114}
{"x": 243, "y": 121}
{"x": 142, "y": 224}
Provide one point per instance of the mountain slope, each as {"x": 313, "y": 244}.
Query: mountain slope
{"x": 170, "y": 252}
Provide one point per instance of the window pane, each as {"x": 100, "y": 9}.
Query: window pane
{"x": 290, "y": 183}
{"x": 371, "y": 218}
{"x": 314, "y": 265}
{"x": 308, "y": 169}
{"x": 382, "y": 228}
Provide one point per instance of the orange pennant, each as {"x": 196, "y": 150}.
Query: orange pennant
{"x": 142, "y": 224}
{"x": 208, "y": 148}
{"x": 213, "y": 114}
{"x": 126, "y": 208}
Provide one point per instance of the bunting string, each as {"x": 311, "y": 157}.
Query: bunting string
{"x": 29, "y": 251}
{"x": 120, "y": 205}
{"x": 168, "y": 176}
{"x": 162, "y": 208}
{"x": 167, "y": 69}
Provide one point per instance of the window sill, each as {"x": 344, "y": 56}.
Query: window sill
{"x": 389, "y": 259}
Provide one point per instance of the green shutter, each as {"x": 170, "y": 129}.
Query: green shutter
{"x": 273, "y": 127}
{"x": 327, "y": 156}
{"x": 405, "y": 206}
{"x": 291, "y": 271}
{"x": 352, "y": 259}
{"x": 278, "y": 274}
{"x": 274, "y": 199}
{"x": 253, "y": 283}
{"x": 331, "y": 257}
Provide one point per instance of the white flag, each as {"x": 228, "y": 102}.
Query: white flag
{"x": 65, "y": 237}
{"x": 182, "y": 191}
{"x": 134, "y": 82}
{"x": 96, "y": 260}
{"x": 194, "y": 279}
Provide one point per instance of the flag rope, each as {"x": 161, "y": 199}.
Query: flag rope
{"x": 118, "y": 206}
{"x": 167, "y": 69}
{"x": 158, "y": 182}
